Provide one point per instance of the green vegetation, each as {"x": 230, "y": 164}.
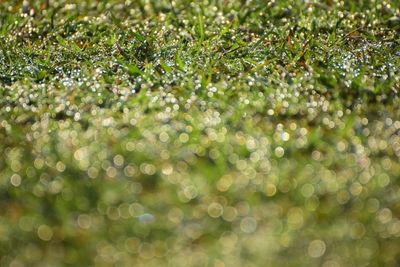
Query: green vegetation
{"x": 199, "y": 133}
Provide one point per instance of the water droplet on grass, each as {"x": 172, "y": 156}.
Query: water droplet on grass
{"x": 146, "y": 218}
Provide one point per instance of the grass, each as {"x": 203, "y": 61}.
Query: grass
{"x": 210, "y": 133}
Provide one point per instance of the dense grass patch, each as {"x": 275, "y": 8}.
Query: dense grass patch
{"x": 207, "y": 133}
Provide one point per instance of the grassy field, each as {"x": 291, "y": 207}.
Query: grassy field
{"x": 199, "y": 133}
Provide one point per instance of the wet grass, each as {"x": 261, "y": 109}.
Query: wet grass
{"x": 215, "y": 133}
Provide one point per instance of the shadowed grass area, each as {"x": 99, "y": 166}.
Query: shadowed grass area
{"x": 208, "y": 133}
